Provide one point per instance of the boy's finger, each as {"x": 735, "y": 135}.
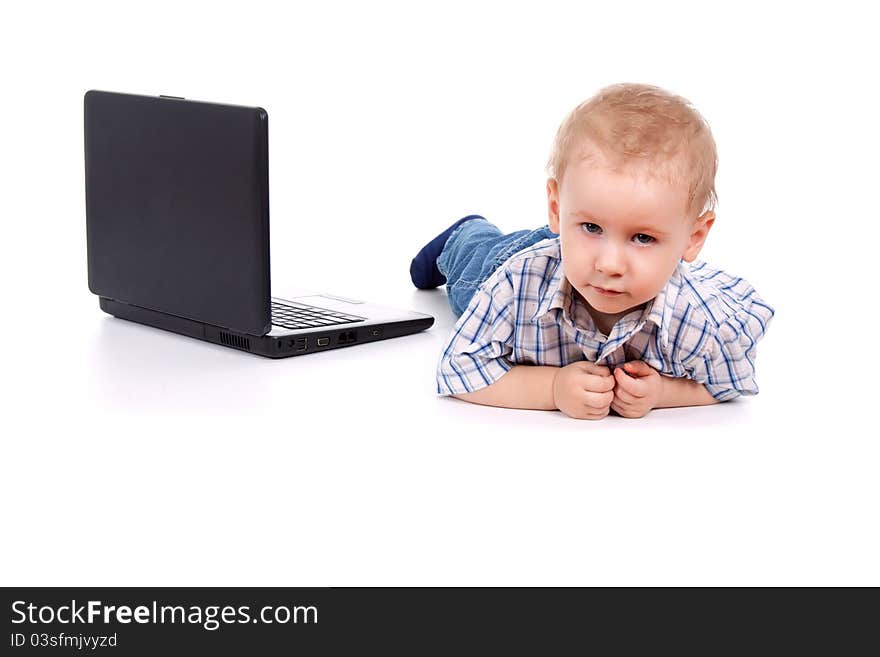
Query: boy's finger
{"x": 597, "y": 370}
{"x": 623, "y": 395}
{"x": 596, "y": 383}
{"x": 629, "y": 383}
{"x": 623, "y": 376}
{"x": 598, "y": 400}
{"x": 637, "y": 368}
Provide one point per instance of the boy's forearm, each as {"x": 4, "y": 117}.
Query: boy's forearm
{"x": 683, "y": 392}
{"x": 524, "y": 386}
{"x": 531, "y": 387}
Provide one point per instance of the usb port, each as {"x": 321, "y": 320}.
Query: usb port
{"x": 323, "y": 342}
{"x": 302, "y": 344}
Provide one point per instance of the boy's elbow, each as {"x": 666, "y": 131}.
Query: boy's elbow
{"x": 487, "y": 396}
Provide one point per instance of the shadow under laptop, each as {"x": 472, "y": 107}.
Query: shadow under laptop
{"x": 140, "y": 368}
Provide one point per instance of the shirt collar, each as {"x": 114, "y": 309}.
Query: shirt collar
{"x": 659, "y": 311}
{"x": 557, "y": 294}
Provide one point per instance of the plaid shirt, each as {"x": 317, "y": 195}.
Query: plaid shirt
{"x": 704, "y": 325}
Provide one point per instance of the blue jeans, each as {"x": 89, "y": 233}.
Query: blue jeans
{"x": 474, "y": 251}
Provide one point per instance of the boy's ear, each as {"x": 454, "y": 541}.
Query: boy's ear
{"x": 700, "y": 231}
{"x": 553, "y": 204}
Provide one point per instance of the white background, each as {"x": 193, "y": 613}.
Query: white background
{"x": 131, "y": 456}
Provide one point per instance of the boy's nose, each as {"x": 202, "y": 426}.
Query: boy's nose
{"x": 609, "y": 261}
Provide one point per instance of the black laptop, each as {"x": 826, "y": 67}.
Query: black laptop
{"x": 177, "y": 220}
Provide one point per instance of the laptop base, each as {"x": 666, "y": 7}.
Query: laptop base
{"x": 279, "y": 346}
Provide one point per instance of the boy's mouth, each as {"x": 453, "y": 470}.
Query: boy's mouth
{"x": 604, "y": 292}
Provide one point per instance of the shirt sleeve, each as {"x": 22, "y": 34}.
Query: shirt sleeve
{"x": 726, "y": 367}
{"x": 478, "y": 352}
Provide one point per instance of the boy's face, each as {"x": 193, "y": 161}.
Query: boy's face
{"x": 621, "y": 236}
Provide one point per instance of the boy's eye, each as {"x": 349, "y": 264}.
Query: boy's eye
{"x": 640, "y": 238}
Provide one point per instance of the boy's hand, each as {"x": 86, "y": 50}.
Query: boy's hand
{"x": 638, "y": 388}
{"x": 583, "y": 390}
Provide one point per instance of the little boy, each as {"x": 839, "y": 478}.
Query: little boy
{"x": 605, "y": 308}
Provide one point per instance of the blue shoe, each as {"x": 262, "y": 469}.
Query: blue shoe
{"x": 423, "y": 270}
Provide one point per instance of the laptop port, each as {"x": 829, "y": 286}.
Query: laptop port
{"x": 323, "y": 342}
{"x": 301, "y": 343}
{"x": 346, "y": 337}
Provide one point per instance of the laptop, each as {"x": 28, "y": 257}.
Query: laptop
{"x": 177, "y": 222}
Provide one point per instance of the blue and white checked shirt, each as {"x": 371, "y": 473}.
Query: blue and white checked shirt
{"x": 704, "y": 325}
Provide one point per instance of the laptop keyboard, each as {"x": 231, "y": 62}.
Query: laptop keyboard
{"x": 292, "y": 315}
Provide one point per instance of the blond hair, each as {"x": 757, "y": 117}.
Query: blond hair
{"x": 645, "y": 127}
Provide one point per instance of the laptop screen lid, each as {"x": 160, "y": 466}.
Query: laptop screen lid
{"x": 177, "y": 207}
